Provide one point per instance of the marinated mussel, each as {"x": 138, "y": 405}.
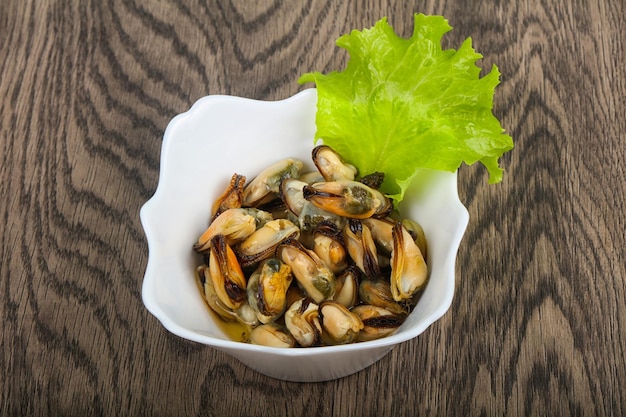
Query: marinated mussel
{"x": 310, "y": 258}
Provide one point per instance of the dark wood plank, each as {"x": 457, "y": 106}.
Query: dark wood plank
{"x": 538, "y": 322}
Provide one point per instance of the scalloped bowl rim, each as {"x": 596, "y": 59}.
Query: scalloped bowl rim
{"x": 304, "y": 103}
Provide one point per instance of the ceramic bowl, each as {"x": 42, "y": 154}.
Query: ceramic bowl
{"x": 202, "y": 148}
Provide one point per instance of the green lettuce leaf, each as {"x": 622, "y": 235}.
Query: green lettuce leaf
{"x": 402, "y": 105}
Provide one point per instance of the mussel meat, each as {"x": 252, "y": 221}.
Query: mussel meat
{"x": 408, "y": 267}
{"x": 302, "y": 321}
{"x": 228, "y": 279}
{"x": 329, "y": 246}
{"x": 377, "y": 322}
{"x": 234, "y": 224}
{"x": 378, "y": 293}
{"x": 339, "y": 325}
{"x": 417, "y": 232}
{"x": 263, "y": 242}
{"x": 351, "y": 199}
{"x": 272, "y": 335}
{"x": 362, "y": 248}
{"x": 267, "y": 289}
{"x": 266, "y": 185}
{"x": 381, "y": 232}
{"x": 291, "y": 194}
{"x": 331, "y": 165}
{"x": 243, "y": 314}
{"x": 347, "y": 288}
{"x": 310, "y": 272}
{"x": 232, "y": 197}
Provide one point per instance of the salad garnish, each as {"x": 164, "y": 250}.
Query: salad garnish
{"x": 404, "y": 105}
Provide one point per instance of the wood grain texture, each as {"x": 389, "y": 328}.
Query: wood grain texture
{"x": 538, "y": 322}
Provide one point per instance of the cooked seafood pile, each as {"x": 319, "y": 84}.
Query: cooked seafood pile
{"x": 311, "y": 259}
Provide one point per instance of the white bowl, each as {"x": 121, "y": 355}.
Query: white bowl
{"x": 202, "y": 148}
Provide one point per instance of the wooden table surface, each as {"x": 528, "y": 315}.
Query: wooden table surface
{"x": 538, "y": 321}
